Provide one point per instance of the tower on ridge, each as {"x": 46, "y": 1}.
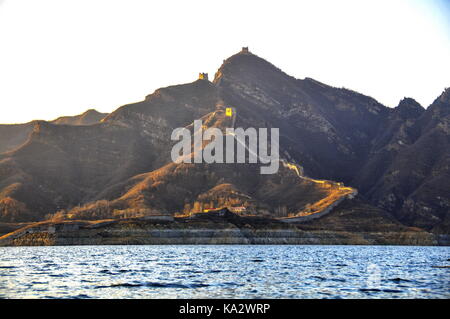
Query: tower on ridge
{"x": 203, "y": 76}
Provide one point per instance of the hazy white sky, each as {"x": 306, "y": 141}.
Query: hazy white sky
{"x": 61, "y": 57}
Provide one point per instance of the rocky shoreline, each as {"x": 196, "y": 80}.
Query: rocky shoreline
{"x": 207, "y": 231}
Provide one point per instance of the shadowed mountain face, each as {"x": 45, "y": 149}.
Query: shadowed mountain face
{"x": 397, "y": 158}
{"x": 409, "y": 173}
{"x": 326, "y": 130}
{"x": 14, "y": 135}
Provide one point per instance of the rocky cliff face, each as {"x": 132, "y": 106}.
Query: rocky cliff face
{"x": 407, "y": 172}
{"x": 397, "y": 158}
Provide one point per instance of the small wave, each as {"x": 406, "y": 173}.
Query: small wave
{"x": 338, "y": 279}
{"x": 7, "y": 267}
{"x": 392, "y": 290}
{"x": 82, "y": 296}
{"x": 399, "y": 280}
{"x": 257, "y": 260}
{"x": 124, "y": 285}
{"x": 86, "y": 280}
{"x": 370, "y": 290}
{"x": 226, "y": 284}
{"x": 154, "y": 285}
{"x": 325, "y": 293}
{"x": 440, "y": 266}
{"x": 174, "y": 285}
{"x": 109, "y": 272}
{"x": 319, "y": 278}
{"x": 379, "y": 290}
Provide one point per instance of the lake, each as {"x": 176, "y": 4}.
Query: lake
{"x": 225, "y": 272}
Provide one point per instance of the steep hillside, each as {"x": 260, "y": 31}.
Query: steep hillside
{"x": 186, "y": 188}
{"x": 398, "y": 159}
{"x": 413, "y": 180}
{"x": 62, "y": 166}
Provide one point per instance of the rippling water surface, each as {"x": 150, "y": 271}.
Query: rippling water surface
{"x": 225, "y": 272}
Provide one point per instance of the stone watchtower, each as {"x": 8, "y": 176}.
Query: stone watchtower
{"x": 203, "y": 76}
{"x": 245, "y": 50}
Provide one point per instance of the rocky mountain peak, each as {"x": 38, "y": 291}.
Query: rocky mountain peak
{"x": 91, "y": 111}
{"x": 246, "y": 66}
{"x": 445, "y": 97}
{"x": 440, "y": 108}
{"x": 408, "y": 108}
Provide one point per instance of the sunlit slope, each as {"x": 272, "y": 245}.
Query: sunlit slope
{"x": 61, "y": 166}
{"x": 396, "y": 158}
{"x": 187, "y": 188}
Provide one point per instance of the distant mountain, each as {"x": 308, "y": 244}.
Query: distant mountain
{"x": 398, "y": 159}
{"x": 87, "y": 118}
{"x": 14, "y": 135}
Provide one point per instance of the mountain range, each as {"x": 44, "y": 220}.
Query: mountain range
{"x": 95, "y": 165}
